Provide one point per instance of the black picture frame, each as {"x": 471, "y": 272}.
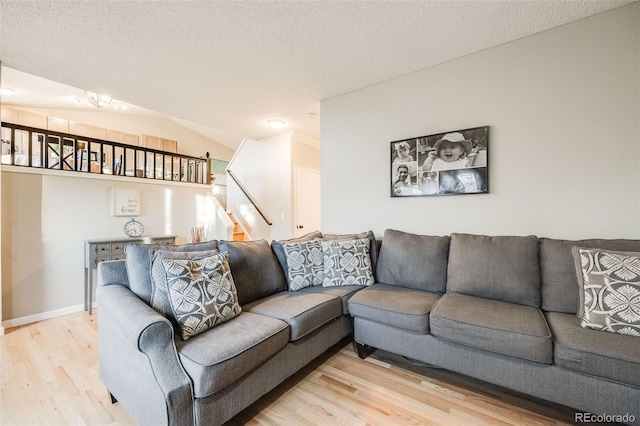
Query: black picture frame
{"x": 449, "y": 163}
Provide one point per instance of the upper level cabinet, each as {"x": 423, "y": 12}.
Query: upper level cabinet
{"x": 24, "y": 118}
{"x": 161, "y": 144}
{"x": 87, "y": 130}
{"x": 122, "y": 137}
{"x": 57, "y": 124}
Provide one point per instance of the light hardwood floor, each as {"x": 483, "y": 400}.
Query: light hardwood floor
{"x": 50, "y": 377}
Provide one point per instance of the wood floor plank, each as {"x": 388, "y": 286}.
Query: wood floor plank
{"x": 50, "y": 377}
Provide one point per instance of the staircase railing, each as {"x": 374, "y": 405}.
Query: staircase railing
{"x": 244, "y": 191}
{"x": 46, "y": 149}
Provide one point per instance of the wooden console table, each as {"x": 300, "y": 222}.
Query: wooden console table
{"x": 96, "y": 251}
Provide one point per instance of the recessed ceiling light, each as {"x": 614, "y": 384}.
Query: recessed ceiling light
{"x": 6, "y": 91}
{"x": 276, "y": 123}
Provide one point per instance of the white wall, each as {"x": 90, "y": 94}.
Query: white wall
{"x": 47, "y": 215}
{"x": 263, "y": 168}
{"x": 563, "y": 110}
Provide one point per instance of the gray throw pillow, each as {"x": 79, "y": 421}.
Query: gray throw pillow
{"x": 305, "y": 264}
{"x": 202, "y": 293}
{"x": 138, "y": 260}
{"x": 413, "y": 261}
{"x": 609, "y": 290}
{"x": 502, "y": 268}
{"x": 278, "y": 250}
{"x": 373, "y": 245}
{"x": 255, "y": 269}
{"x": 558, "y": 271}
{"x": 346, "y": 262}
{"x": 159, "y": 289}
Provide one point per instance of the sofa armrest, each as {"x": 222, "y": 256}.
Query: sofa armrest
{"x": 131, "y": 328}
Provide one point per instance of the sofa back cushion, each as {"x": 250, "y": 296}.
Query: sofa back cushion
{"x": 140, "y": 256}
{"x": 558, "y": 272}
{"x": 502, "y": 268}
{"x": 255, "y": 269}
{"x": 413, "y": 261}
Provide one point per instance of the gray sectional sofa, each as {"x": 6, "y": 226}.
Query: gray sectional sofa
{"x": 499, "y": 309}
{"x": 502, "y": 310}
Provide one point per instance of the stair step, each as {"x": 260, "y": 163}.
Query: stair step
{"x": 238, "y": 235}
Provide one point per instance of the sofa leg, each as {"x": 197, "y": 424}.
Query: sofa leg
{"x": 113, "y": 398}
{"x": 363, "y": 351}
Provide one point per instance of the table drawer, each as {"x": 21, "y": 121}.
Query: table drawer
{"x": 164, "y": 241}
{"x": 103, "y": 248}
{"x": 117, "y": 247}
{"x": 102, "y": 258}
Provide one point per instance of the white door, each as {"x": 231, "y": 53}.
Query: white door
{"x": 307, "y": 200}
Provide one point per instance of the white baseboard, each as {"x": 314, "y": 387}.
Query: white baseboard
{"x": 15, "y": 322}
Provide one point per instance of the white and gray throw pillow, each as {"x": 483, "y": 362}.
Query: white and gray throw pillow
{"x": 305, "y": 265}
{"x": 609, "y": 290}
{"x": 202, "y": 293}
{"x": 159, "y": 291}
{"x": 346, "y": 262}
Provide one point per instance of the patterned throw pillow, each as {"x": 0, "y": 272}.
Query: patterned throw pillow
{"x": 609, "y": 290}
{"x": 159, "y": 289}
{"x": 201, "y": 292}
{"x": 346, "y": 262}
{"x": 305, "y": 265}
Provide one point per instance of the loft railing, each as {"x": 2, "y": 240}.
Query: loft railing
{"x": 46, "y": 149}
{"x": 244, "y": 191}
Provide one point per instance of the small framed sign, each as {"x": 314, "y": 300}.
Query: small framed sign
{"x": 126, "y": 202}
{"x": 449, "y": 163}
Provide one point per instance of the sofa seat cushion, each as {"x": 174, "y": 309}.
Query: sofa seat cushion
{"x": 222, "y": 355}
{"x": 493, "y": 325}
{"x": 608, "y": 355}
{"x": 344, "y": 292}
{"x": 304, "y": 312}
{"x": 393, "y": 305}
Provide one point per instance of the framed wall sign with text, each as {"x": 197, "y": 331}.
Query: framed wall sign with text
{"x": 126, "y": 202}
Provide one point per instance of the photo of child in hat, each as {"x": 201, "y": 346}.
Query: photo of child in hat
{"x": 448, "y": 163}
{"x": 451, "y": 152}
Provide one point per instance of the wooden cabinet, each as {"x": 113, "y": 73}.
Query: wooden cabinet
{"x": 170, "y": 145}
{"x": 122, "y": 137}
{"x": 24, "y": 118}
{"x": 161, "y": 144}
{"x": 9, "y": 114}
{"x": 58, "y": 124}
{"x": 87, "y": 131}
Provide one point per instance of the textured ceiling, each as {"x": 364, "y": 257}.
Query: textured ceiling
{"x": 229, "y": 66}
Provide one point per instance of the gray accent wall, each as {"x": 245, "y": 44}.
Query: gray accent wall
{"x": 563, "y": 108}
